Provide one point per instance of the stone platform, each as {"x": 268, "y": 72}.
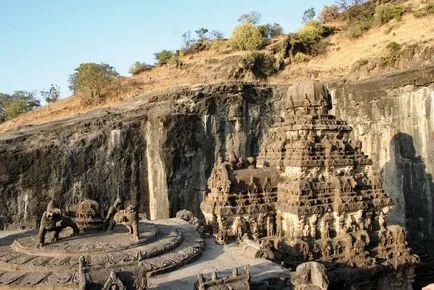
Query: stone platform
{"x": 162, "y": 247}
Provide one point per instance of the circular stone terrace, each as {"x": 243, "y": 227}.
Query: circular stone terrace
{"x": 162, "y": 247}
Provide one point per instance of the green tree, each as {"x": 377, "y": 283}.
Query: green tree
{"x": 247, "y": 36}
{"x": 310, "y": 34}
{"x": 252, "y": 17}
{"x": 89, "y": 79}
{"x": 19, "y": 102}
{"x": 271, "y": 30}
{"x": 52, "y": 94}
{"x": 164, "y": 56}
{"x": 308, "y": 14}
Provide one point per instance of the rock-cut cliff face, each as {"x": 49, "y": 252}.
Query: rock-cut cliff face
{"x": 394, "y": 118}
{"x": 160, "y": 148}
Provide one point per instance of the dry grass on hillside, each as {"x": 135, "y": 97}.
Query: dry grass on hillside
{"x": 342, "y": 52}
{"x": 223, "y": 64}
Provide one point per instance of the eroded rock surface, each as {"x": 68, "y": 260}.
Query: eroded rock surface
{"x": 163, "y": 147}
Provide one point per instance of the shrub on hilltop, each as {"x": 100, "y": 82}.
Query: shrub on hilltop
{"x": 164, "y": 56}
{"x": 139, "y": 67}
{"x": 89, "y": 79}
{"x": 247, "y": 36}
{"x": 271, "y": 30}
{"x": 52, "y": 94}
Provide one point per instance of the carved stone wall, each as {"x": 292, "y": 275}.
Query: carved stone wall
{"x": 179, "y": 134}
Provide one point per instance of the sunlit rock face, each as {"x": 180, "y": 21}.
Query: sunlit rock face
{"x": 164, "y": 146}
{"x": 393, "y": 117}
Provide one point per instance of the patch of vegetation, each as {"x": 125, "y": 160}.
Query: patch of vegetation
{"x": 386, "y": 12}
{"x": 203, "y": 40}
{"x": 362, "y": 23}
{"x": 271, "y": 30}
{"x": 218, "y": 44}
{"x": 164, "y": 56}
{"x": 260, "y": 63}
{"x": 353, "y": 31}
{"x": 252, "y": 17}
{"x": 247, "y": 36}
{"x": 52, "y": 94}
{"x": 391, "y": 52}
{"x": 300, "y": 57}
{"x": 329, "y": 13}
{"x": 89, "y": 79}
{"x": 19, "y": 102}
{"x": 393, "y": 46}
{"x": 424, "y": 11}
{"x": 139, "y": 67}
{"x": 176, "y": 59}
{"x": 310, "y": 34}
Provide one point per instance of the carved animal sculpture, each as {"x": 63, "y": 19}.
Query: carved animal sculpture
{"x": 184, "y": 215}
{"x": 53, "y": 221}
{"x": 88, "y": 209}
{"x": 127, "y": 217}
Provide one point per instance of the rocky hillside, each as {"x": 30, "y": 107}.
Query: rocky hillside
{"x": 179, "y": 133}
{"x": 339, "y": 57}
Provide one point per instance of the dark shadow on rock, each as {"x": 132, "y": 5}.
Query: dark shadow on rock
{"x": 219, "y": 125}
{"x": 412, "y": 190}
{"x": 10, "y": 237}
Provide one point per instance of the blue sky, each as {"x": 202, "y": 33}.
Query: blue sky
{"x": 42, "y": 41}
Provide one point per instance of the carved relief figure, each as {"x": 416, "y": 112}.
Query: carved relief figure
{"x": 88, "y": 209}
{"x": 237, "y": 228}
{"x": 53, "y": 221}
{"x": 129, "y": 218}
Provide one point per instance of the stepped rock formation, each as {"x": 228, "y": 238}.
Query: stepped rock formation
{"x": 330, "y": 203}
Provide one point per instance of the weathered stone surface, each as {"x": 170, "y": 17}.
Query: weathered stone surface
{"x": 109, "y": 152}
{"x": 310, "y": 276}
{"x": 241, "y": 200}
{"x": 236, "y": 280}
{"x": 89, "y": 260}
{"x": 330, "y": 204}
{"x": 393, "y": 117}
